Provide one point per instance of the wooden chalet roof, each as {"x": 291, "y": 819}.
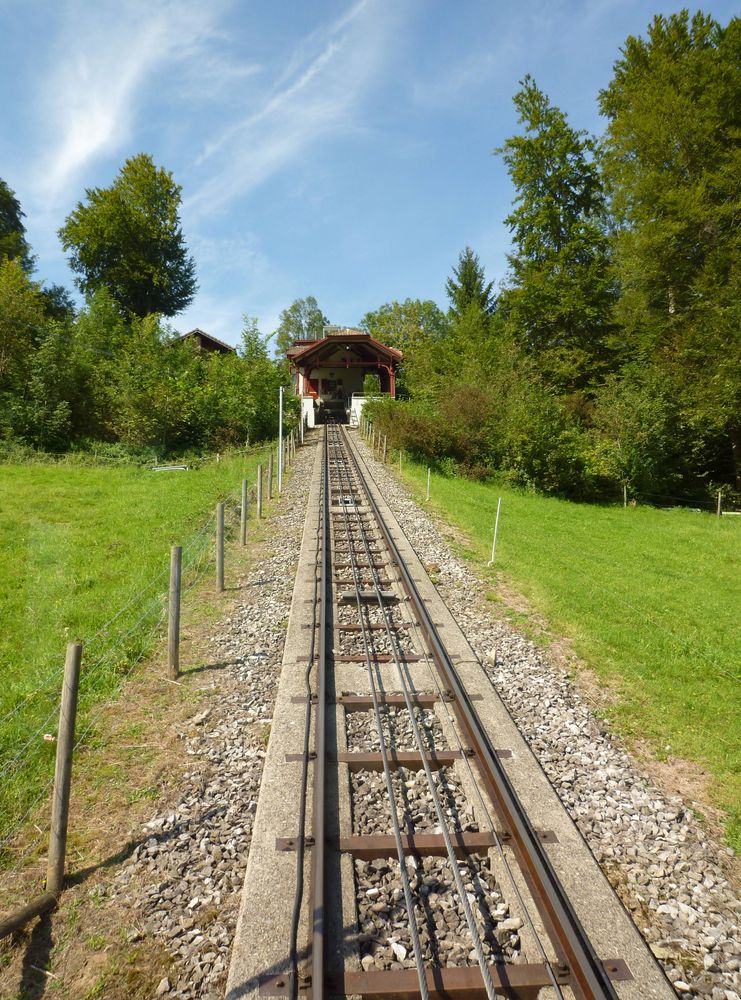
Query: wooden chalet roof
{"x": 303, "y": 350}
{"x": 207, "y": 342}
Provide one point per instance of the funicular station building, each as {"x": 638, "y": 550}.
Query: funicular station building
{"x": 329, "y": 373}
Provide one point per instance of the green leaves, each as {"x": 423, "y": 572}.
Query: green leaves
{"x": 303, "y": 320}
{"x": 127, "y": 239}
{"x": 560, "y": 292}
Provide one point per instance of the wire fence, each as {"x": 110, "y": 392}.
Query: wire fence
{"x": 28, "y": 724}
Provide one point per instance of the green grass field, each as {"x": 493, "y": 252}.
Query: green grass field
{"x": 649, "y": 599}
{"x": 84, "y": 554}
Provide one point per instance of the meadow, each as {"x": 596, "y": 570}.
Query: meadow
{"x": 84, "y": 554}
{"x": 648, "y": 598}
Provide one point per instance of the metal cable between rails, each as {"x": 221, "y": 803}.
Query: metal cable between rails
{"x": 407, "y": 889}
{"x": 393, "y": 642}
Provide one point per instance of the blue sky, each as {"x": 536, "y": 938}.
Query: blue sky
{"x": 326, "y": 148}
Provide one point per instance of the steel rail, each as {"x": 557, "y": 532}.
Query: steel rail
{"x": 455, "y": 867}
{"x": 318, "y": 894}
{"x": 590, "y": 979}
{"x": 293, "y": 985}
{"x": 407, "y": 889}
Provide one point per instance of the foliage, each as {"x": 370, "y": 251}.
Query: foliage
{"x": 672, "y": 161}
{"x": 561, "y": 291}
{"x": 371, "y": 385}
{"x": 302, "y": 320}
{"x": 13, "y": 243}
{"x": 127, "y": 239}
{"x": 99, "y": 377}
{"x": 22, "y": 323}
{"x": 468, "y": 286}
{"x": 418, "y": 328}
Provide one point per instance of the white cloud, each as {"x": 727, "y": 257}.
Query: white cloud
{"x": 318, "y": 91}
{"x": 102, "y": 60}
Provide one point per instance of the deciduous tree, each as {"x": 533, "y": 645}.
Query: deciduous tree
{"x": 302, "y": 320}
{"x": 127, "y": 238}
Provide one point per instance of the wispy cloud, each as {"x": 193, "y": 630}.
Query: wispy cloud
{"x": 102, "y": 60}
{"x": 317, "y": 91}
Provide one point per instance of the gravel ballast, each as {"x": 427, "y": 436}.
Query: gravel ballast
{"x": 667, "y": 871}
{"x": 185, "y": 880}
{"x": 445, "y": 939}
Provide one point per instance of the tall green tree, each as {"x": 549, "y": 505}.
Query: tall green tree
{"x": 672, "y": 159}
{"x": 13, "y": 243}
{"x": 127, "y": 238}
{"x": 468, "y": 286}
{"x": 302, "y": 320}
{"x": 561, "y": 291}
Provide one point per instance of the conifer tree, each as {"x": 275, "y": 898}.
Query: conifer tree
{"x": 468, "y": 286}
{"x": 561, "y": 292}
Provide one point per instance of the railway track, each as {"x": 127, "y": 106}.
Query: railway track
{"x": 406, "y": 842}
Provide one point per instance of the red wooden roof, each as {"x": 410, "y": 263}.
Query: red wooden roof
{"x": 304, "y": 349}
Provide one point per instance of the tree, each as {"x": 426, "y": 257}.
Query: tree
{"x": 127, "y": 238}
{"x": 672, "y": 160}
{"x": 468, "y": 286}
{"x": 303, "y": 320}
{"x": 406, "y": 325}
{"x": 561, "y": 291}
{"x": 13, "y": 243}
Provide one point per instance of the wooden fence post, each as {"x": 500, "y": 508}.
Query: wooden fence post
{"x": 63, "y": 770}
{"x": 259, "y": 492}
{"x": 243, "y": 515}
{"x": 173, "y": 611}
{"x": 720, "y": 504}
{"x": 220, "y": 546}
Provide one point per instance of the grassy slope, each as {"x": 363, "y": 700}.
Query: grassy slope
{"x": 76, "y": 544}
{"x": 650, "y": 600}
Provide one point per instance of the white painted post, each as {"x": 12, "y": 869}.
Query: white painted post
{"x": 496, "y": 529}
{"x": 243, "y": 515}
{"x": 280, "y": 439}
{"x": 220, "y": 547}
